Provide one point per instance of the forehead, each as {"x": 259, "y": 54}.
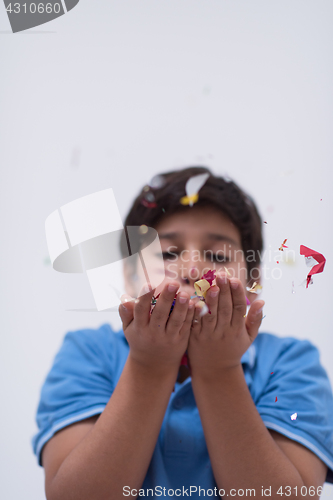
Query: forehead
{"x": 200, "y": 224}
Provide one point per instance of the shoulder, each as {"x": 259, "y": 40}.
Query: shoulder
{"x": 102, "y": 342}
{"x": 271, "y": 348}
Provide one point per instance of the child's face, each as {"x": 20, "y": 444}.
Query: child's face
{"x": 203, "y": 238}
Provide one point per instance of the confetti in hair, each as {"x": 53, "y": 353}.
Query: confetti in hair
{"x": 192, "y": 188}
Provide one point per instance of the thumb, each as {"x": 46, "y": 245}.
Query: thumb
{"x": 126, "y": 310}
{"x": 254, "y": 317}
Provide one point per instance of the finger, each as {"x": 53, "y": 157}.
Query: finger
{"x": 126, "y": 310}
{"x": 186, "y": 328}
{"x": 142, "y": 306}
{"x": 238, "y": 303}
{"x": 196, "y": 321}
{"x": 178, "y": 314}
{"x": 161, "y": 311}
{"x": 209, "y": 319}
{"x": 224, "y": 312}
{"x": 254, "y": 318}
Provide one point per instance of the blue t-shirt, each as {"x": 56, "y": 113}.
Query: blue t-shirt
{"x": 89, "y": 364}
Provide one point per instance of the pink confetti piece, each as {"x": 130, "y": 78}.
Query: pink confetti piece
{"x": 209, "y": 276}
{"x": 283, "y": 245}
{"x": 317, "y": 257}
{"x": 247, "y": 301}
{"x": 148, "y": 204}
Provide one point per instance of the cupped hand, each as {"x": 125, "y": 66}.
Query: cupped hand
{"x": 158, "y": 341}
{"x": 219, "y": 340}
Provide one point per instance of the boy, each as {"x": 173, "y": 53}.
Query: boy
{"x": 221, "y": 428}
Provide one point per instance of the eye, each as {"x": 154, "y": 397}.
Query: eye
{"x": 168, "y": 255}
{"x": 220, "y": 258}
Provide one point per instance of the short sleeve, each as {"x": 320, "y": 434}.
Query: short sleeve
{"x": 303, "y": 410}
{"x": 78, "y": 386}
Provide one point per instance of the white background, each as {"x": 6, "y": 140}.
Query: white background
{"x": 114, "y": 92}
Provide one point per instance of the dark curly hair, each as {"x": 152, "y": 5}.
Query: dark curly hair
{"x": 153, "y": 204}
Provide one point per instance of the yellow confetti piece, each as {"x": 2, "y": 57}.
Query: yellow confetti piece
{"x": 201, "y": 287}
{"x": 255, "y": 288}
{"x": 226, "y": 270}
{"x": 189, "y": 200}
{"x": 143, "y": 229}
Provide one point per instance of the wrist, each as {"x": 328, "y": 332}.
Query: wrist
{"x": 221, "y": 374}
{"x": 152, "y": 372}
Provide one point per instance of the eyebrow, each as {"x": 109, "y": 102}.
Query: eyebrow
{"x": 209, "y": 236}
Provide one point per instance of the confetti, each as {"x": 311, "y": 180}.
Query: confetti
{"x": 265, "y": 222}
{"x": 163, "y": 210}
{"x": 272, "y": 373}
{"x": 283, "y": 245}
{"x": 248, "y": 303}
{"x": 204, "y": 309}
{"x": 275, "y": 399}
{"x": 148, "y": 204}
{"x": 201, "y": 287}
{"x": 143, "y": 229}
{"x": 255, "y": 288}
{"x": 315, "y": 259}
{"x": 292, "y": 287}
{"x": 157, "y": 181}
{"x": 226, "y": 270}
{"x": 47, "y": 261}
{"x": 184, "y": 360}
{"x": 209, "y": 276}
{"x": 293, "y": 416}
{"x": 262, "y": 318}
{"x": 192, "y": 188}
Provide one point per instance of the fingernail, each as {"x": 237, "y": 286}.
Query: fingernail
{"x": 172, "y": 288}
{"x": 214, "y": 294}
{"x": 182, "y": 299}
{"x": 233, "y": 284}
{"x": 224, "y": 278}
{"x": 260, "y": 310}
{"x": 125, "y": 298}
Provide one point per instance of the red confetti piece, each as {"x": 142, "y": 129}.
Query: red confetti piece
{"x": 275, "y": 399}
{"x": 318, "y": 257}
{"x": 148, "y": 204}
{"x": 209, "y": 276}
{"x": 272, "y": 373}
{"x": 283, "y": 245}
{"x": 265, "y": 222}
{"x": 184, "y": 360}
